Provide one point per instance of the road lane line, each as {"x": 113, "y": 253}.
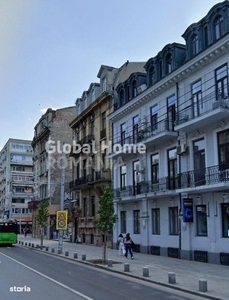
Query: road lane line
{"x": 49, "y": 278}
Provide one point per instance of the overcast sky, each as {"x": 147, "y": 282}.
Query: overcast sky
{"x": 51, "y": 50}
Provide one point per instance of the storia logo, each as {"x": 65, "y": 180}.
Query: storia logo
{"x": 20, "y": 289}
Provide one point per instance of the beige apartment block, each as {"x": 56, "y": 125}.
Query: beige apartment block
{"x": 50, "y": 132}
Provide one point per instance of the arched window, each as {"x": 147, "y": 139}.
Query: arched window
{"x": 121, "y": 95}
{"x": 168, "y": 63}
{"x": 151, "y": 75}
{"x": 218, "y": 26}
{"x": 195, "y": 44}
{"x": 134, "y": 89}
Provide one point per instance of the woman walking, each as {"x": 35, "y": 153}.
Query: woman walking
{"x": 127, "y": 243}
{"x": 121, "y": 248}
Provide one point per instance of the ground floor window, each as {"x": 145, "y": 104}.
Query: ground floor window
{"x": 136, "y": 221}
{"x": 155, "y": 221}
{"x": 123, "y": 221}
{"x": 225, "y": 219}
{"x": 173, "y": 220}
{"x": 201, "y": 220}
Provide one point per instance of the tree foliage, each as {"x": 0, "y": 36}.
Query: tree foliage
{"x": 106, "y": 211}
{"x": 43, "y": 213}
{"x": 42, "y": 217}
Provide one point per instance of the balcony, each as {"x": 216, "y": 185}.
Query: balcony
{"x": 159, "y": 133}
{"x": 81, "y": 182}
{"x": 102, "y": 175}
{"x": 147, "y": 134}
{"x": 210, "y": 178}
{"x": 212, "y": 109}
{"x": 164, "y": 184}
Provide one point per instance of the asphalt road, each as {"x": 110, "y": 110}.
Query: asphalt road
{"x": 28, "y": 274}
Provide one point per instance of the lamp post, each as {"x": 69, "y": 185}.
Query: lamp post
{"x": 61, "y": 232}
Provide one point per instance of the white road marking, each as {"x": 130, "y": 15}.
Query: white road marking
{"x": 49, "y": 278}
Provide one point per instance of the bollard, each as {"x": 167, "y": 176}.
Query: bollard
{"x": 203, "y": 285}
{"x": 59, "y": 251}
{"x": 66, "y": 253}
{"x": 126, "y": 267}
{"x": 145, "y": 272}
{"x": 83, "y": 256}
{"x": 172, "y": 277}
{"x": 53, "y": 250}
{"x": 25, "y": 243}
{"x": 32, "y": 245}
{"x": 110, "y": 263}
{"x": 22, "y": 243}
{"x": 47, "y": 248}
{"x": 37, "y": 245}
{"x": 29, "y": 244}
{"x": 75, "y": 255}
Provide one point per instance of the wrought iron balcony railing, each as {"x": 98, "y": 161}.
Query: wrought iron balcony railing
{"x": 207, "y": 176}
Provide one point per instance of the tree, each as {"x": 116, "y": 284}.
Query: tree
{"x": 106, "y": 216}
{"x": 42, "y": 217}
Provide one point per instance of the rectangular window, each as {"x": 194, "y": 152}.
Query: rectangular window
{"x": 155, "y": 221}
{"x": 221, "y": 82}
{"x": 84, "y": 208}
{"x": 123, "y": 133}
{"x": 92, "y": 207}
{"x": 223, "y": 149}
{"x": 201, "y": 220}
{"x": 103, "y": 120}
{"x": 171, "y": 113}
{"x": 173, "y": 220}
{"x": 197, "y": 98}
{"x": 136, "y": 221}
{"x": 123, "y": 177}
{"x": 225, "y": 219}
{"x": 172, "y": 168}
{"x": 123, "y": 221}
{"x": 135, "y": 129}
{"x": 155, "y": 168}
{"x": 154, "y": 117}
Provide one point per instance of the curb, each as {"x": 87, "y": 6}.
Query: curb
{"x": 99, "y": 266}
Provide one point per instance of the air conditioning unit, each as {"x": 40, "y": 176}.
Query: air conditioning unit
{"x": 182, "y": 149}
{"x": 141, "y": 88}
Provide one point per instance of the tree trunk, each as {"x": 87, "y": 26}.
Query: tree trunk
{"x": 104, "y": 256}
{"x": 42, "y": 235}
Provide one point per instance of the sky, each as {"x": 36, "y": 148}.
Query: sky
{"x": 51, "y": 50}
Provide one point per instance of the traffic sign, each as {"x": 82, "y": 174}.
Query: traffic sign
{"x": 61, "y": 219}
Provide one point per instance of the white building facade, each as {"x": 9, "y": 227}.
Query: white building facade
{"x": 173, "y": 198}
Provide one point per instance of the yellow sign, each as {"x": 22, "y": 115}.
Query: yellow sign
{"x": 61, "y": 219}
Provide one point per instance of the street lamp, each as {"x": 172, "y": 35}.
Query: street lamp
{"x": 61, "y": 232}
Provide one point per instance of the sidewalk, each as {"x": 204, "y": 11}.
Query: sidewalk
{"x": 187, "y": 272}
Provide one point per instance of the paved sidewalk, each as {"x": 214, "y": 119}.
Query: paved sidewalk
{"x": 187, "y": 272}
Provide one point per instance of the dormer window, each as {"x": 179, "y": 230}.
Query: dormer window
{"x": 218, "y": 26}
{"x": 134, "y": 89}
{"x": 168, "y": 63}
{"x": 121, "y": 97}
{"x": 151, "y": 75}
{"x": 195, "y": 44}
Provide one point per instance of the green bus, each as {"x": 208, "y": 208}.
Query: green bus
{"x": 8, "y": 231}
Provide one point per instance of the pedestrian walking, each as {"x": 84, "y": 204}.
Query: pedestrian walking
{"x": 121, "y": 247}
{"x": 127, "y": 243}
